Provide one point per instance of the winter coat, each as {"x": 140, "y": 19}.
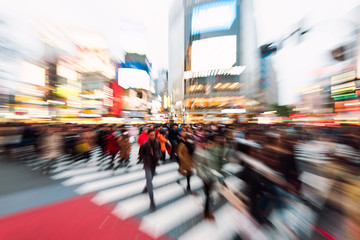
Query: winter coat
{"x": 124, "y": 147}
{"x": 142, "y": 138}
{"x": 111, "y": 146}
{"x": 209, "y": 163}
{"x": 51, "y": 146}
{"x": 89, "y": 137}
{"x": 173, "y": 135}
{"x": 163, "y": 142}
{"x": 220, "y": 153}
{"x": 150, "y": 155}
{"x": 185, "y": 158}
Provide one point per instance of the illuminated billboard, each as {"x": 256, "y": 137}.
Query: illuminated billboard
{"x": 66, "y": 72}
{"x": 32, "y": 74}
{"x": 211, "y": 17}
{"x": 133, "y": 78}
{"x": 213, "y": 53}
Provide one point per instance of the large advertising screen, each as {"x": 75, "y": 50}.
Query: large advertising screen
{"x": 213, "y": 53}
{"x": 211, "y": 17}
{"x": 133, "y": 78}
{"x": 32, "y": 74}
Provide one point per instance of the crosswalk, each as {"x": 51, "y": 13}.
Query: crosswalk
{"x": 178, "y": 213}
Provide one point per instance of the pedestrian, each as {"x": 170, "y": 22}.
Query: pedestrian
{"x": 185, "y": 152}
{"x": 206, "y": 165}
{"x": 173, "y": 138}
{"x": 88, "y": 137}
{"x": 124, "y": 147}
{"x": 51, "y": 146}
{"x": 111, "y": 148}
{"x": 150, "y": 153}
{"x": 143, "y": 137}
{"x": 163, "y": 142}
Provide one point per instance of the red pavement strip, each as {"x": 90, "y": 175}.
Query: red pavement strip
{"x": 74, "y": 218}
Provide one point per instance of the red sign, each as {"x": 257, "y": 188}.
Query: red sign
{"x": 117, "y": 98}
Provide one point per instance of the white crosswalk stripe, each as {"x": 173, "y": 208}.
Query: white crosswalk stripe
{"x": 121, "y": 192}
{"x": 159, "y": 223}
{"x": 121, "y": 179}
{"x": 141, "y": 203}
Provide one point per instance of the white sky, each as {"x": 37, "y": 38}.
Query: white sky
{"x": 294, "y": 63}
{"x": 274, "y": 19}
{"x": 105, "y": 16}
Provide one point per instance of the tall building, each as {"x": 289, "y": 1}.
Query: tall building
{"x": 219, "y": 58}
{"x": 176, "y": 51}
{"x": 161, "y": 83}
{"x": 268, "y": 86}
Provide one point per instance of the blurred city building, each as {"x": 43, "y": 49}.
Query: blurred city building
{"x": 333, "y": 96}
{"x": 159, "y": 108}
{"x": 268, "y": 87}
{"x": 161, "y": 84}
{"x": 219, "y": 58}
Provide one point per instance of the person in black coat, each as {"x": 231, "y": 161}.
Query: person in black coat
{"x": 150, "y": 153}
{"x": 174, "y": 139}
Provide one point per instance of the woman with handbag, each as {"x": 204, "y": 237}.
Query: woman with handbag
{"x": 185, "y": 154}
{"x": 163, "y": 141}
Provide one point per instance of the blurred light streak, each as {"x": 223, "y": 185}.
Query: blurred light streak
{"x": 350, "y": 104}
{"x": 343, "y": 77}
{"x": 345, "y": 85}
{"x": 348, "y": 110}
{"x": 237, "y": 70}
{"x": 238, "y": 110}
{"x": 345, "y": 96}
{"x": 56, "y": 102}
{"x": 342, "y": 90}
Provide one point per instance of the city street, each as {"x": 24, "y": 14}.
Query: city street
{"x": 81, "y": 196}
{"x": 180, "y": 119}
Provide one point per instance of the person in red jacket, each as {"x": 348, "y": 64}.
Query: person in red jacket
{"x": 143, "y": 137}
{"x": 111, "y": 148}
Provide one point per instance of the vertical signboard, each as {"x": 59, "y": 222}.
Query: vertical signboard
{"x": 117, "y": 98}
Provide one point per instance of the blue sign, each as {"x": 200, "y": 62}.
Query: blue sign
{"x": 215, "y": 16}
{"x": 136, "y": 65}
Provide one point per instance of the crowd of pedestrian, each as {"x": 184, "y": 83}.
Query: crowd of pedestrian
{"x": 203, "y": 150}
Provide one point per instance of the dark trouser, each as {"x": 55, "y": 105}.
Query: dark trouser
{"x": 149, "y": 172}
{"x": 207, "y": 191}
{"x": 87, "y": 156}
{"x": 47, "y": 166}
{"x": 173, "y": 148}
{"x": 188, "y": 175}
{"x": 111, "y": 163}
{"x": 163, "y": 156}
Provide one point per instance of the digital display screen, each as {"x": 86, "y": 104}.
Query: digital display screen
{"x": 211, "y": 17}
{"x": 213, "y": 53}
{"x": 32, "y": 74}
{"x": 133, "y": 78}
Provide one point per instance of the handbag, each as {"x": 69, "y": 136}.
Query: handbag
{"x": 82, "y": 147}
{"x": 168, "y": 144}
{"x": 169, "y": 150}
